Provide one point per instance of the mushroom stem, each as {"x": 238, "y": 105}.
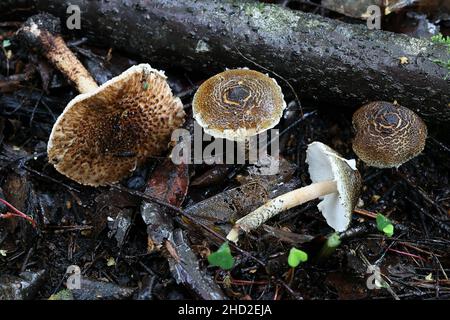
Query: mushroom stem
{"x": 40, "y": 31}
{"x": 62, "y": 57}
{"x": 279, "y": 204}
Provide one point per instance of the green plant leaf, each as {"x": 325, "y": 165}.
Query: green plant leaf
{"x": 222, "y": 257}
{"x": 6, "y": 43}
{"x": 385, "y": 225}
{"x": 296, "y": 257}
{"x": 389, "y": 230}
{"x": 334, "y": 240}
{"x": 439, "y": 38}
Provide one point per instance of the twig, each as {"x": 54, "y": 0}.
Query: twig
{"x": 289, "y": 289}
{"x": 245, "y": 282}
{"x": 366, "y": 213}
{"x": 35, "y": 107}
{"x": 16, "y": 213}
{"x": 14, "y": 24}
{"x": 440, "y": 144}
{"x": 394, "y": 241}
{"x": 67, "y": 228}
{"x": 407, "y": 254}
{"x": 422, "y": 193}
{"x": 187, "y": 215}
{"x": 43, "y": 175}
{"x": 438, "y": 222}
{"x": 407, "y": 245}
{"x": 27, "y": 258}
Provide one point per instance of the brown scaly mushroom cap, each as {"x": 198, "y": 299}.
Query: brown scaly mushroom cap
{"x": 387, "y": 135}
{"x": 237, "y": 104}
{"x": 104, "y": 134}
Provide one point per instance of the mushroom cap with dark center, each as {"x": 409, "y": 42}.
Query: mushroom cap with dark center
{"x": 325, "y": 164}
{"x": 103, "y": 135}
{"x": 387, "y": 135}
{"x": 239, "y": 103}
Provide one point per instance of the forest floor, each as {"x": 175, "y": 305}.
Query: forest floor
{"x": 102, "y": 231}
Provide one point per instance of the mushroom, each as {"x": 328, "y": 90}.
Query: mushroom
{"x": 103, "y": 135}
{"x": 237, "y": 104}
{"x": 105, "y": 132}
{"x": 387, "y": 135}
{"x": 335, "y": 180}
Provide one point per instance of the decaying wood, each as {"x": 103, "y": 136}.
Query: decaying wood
{"x": 327, "y": 61}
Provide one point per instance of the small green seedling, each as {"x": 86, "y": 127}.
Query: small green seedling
{"x": 296, "y": 257}
{"x": 6, "y": 43}
{"x": 145, "y": 85}
{"x": 333, "y": 240}
{"x": 385, "y": 225}
{"x": 8, "y": 53}
{"x": 222, "y": 258}
{"x": 329, "y": 247}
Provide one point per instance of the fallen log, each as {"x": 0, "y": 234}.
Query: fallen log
{"x": 326, "y": 61}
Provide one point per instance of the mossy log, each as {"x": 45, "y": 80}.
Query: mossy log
{"x": 328, "y": 62}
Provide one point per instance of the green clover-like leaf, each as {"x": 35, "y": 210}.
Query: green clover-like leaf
{"x": 385, "y": 225}
{"x": 222, "y": 257}
{"x": 389, "y": 230}
{"x": 296, "y": 257}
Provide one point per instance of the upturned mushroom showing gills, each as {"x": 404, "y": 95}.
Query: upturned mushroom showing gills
{"x": 104, "y": 133}
{"x": 387, "y": 135}
{"x": 237, "y": 104}
{"x": 335, "y": 181}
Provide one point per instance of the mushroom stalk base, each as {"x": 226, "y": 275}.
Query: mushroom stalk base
{"x": 279, "y": 204}
{"x": 41, "y": 32}
{"x": 64, "y": 59}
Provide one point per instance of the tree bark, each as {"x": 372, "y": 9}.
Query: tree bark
{"x": 326, "y": 61}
